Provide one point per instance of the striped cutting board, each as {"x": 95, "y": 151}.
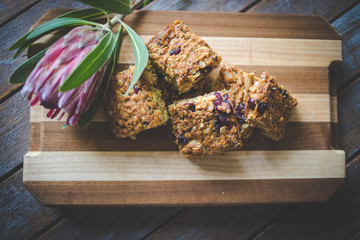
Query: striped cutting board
{"x": 91, "y": 167}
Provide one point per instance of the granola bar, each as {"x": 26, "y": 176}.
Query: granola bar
{"x": 181, "y": 57}
{"x": 260, "y": 102}
{"x": 205, "y": 124}
{"x": 236, "y": 81}
{"x": 142, "y": 109}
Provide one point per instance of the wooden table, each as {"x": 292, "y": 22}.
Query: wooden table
{"x": 23, "y": 217}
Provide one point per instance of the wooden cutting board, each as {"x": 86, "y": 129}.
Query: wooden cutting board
{"x": 90, "y": 167}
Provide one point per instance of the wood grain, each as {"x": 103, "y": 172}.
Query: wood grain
{"x": 246, "y": 25}
{"x": 21, "y": 214}
{"x": 14, "y": 135}
{"x": 228, "y": 222}
{"x": 199, "y": 222}
{"x": 349, "y": 28}
{"x": 6, "y": 7}
{"x": 297, "y": 79}
{"x": 182, "y": 193}
{"x": 339, "y": 218}
{"x": 204, "y": 5}
{"x": 172, "y": 166}
{"x": 349, "y": 117}
{"x": 221, "y": 24}
{"x": 49, "y": 136}
{"x": 336, "y": 219}
{"x": 110, "y": 223}
{"x": 330, "y": 10}
{"x": 130, "y": 178}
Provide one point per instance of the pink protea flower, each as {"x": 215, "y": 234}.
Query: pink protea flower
{"x": 56, "y": 65}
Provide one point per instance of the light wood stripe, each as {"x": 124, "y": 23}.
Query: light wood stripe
{"x": 311, "y": 108}
{"x": 171, "y": 166}
{"x": 333, "y": 109}
{"x": 262, "y": 51}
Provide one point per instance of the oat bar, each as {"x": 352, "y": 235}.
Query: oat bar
{"x": 205, "y": 124}
{"x": 181, "y": 57}
{"x": 259, "y": 102}
{"x": 142, "y": 109}
{"x": 236, "y": 81}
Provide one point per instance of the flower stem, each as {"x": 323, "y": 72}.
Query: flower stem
{"x": 116, "y": 19}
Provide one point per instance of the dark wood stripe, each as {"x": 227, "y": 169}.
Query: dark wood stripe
{"x": 97, "y": 137}
{"x": 335, "y": 135}
{"x": 235, "y": 24}
{"x": 298, "y": 136}
{"x": 312, "y": 80}
{"x": 135, "y": 193}
{"x": 228, "y": 24}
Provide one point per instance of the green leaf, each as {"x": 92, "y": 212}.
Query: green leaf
{"x": 91, "y": 63}
{"x": 118, "y": 39}
{"x": 19, "y": 51}
{"x": 88, "y": 115}
{"x": 109, "y": 72}
{"x": 141, "y": 55}
{"x": 87, "y": 14}
{"x": 107, "y": 16}
{"x": 115, "y": 6}
{"x": 44, "y": 29}
{"x": 21, "y": 41}
{"x": 146, "y": 2}
{"x": 56, "y": 24}
{"x": 23, "y": 71}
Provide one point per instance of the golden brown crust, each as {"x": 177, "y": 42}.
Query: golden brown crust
{"x": 142, "y": 109}
{"x": 260, "y": 102}
{"x": 205, "y": 124}
{"x": 182, "y": 57}
{"x": 235, "y": 80}
{"x": 273, "y": 106}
